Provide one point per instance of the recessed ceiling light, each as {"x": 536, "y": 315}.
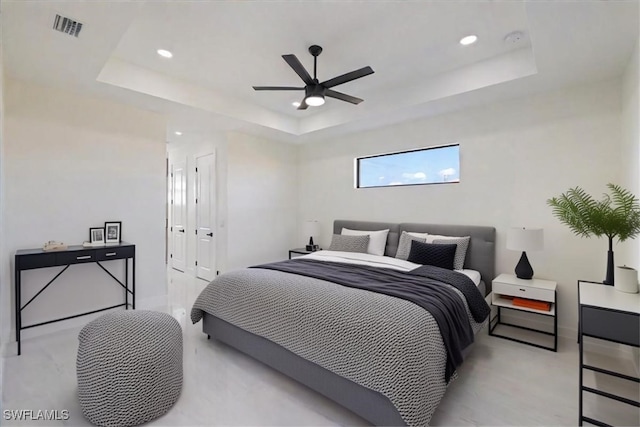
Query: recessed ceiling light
{"x": 295, "y": 104}
{"x": 178, "y": 133}
{"x": 465, "y": 41}
{"x": 164, "y": 53}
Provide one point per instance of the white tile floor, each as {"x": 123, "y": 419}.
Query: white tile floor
{"x": 501, "y": 383}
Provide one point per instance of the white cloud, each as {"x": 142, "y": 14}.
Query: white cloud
{"x": 418, "y": 176}
{"x": 447, "y": 172}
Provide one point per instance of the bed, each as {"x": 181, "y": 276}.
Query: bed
{"x": 381, "y": 357}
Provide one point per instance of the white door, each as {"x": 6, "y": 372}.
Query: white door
{"x": 205, "y": 217}
{"x": 178, "y": 215}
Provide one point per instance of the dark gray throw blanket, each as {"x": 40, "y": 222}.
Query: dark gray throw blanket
{"x": 423, "y": 287}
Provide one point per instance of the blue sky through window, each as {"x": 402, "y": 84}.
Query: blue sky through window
{"x": 428, "y": 166}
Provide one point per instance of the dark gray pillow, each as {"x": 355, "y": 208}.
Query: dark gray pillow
{"x": 341, "y": 242}
{"x": 461, "y": 252}
{"x": 432, "y": 254}
{"x": 404, "y": 247}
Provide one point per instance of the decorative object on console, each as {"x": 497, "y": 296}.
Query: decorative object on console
{"x": 53, "y": 245}
{"x": 626, "y": 279}
{"x": 525, "y": 239}
{"x": 96, "y": 236}
{"x": 586, "y": 217}
{"x": 311, "y": 228}
{"x": 113, "y": 231}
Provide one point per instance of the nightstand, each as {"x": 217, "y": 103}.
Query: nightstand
{"x": 606, "y": 314}
{"x": 506, "y": 287}
{"x": 298, "y": 251}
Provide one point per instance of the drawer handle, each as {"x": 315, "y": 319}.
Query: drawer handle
{"x": 110, "y": 254}
{"x": 523, "y": 290}
{"x": 84, "y": 257}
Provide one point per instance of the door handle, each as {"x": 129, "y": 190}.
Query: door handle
{"x": 181, "y": 230}
{"x": 210, "y": 234}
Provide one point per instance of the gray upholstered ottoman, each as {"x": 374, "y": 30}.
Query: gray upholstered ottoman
{"x": 129, "y": 367}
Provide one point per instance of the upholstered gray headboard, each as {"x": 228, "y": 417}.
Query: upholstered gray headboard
{"x": 480, "y": 255}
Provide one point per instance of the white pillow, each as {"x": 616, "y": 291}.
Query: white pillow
{"x": 377, "y": 239}
{"x": 419, "y": 235}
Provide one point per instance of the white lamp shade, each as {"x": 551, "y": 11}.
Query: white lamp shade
{"x": 525, "y": 239}
{"x": 311, "y": 228}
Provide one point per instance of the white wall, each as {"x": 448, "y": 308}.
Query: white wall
{"x": 514, "y": 156}
{"x": 630, "y": 160}
{"x": 262, "y": 196}
{"x": 630, "y": 255}
{"x": 73, "y": 162}
{"x": 4, "y": 290}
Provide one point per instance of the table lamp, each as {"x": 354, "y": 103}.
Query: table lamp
{"x": 525, "y": 239}
{"x": 311, "y": 228}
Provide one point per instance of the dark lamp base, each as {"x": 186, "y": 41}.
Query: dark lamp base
{"x": 523, "y": 269}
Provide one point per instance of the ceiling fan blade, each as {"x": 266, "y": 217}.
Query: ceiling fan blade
{"x": 303, "y": 105}
{"x": 342, "y": 96}
{"x": 365, "y": 71}
{"x": 294, "y": 63}
{"x": 277, "y": 88}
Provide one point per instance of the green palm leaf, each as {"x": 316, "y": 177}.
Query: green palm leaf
{"x": 617, "y": 215}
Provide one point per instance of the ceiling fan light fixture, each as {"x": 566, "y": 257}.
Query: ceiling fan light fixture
{"x": 314, "y": 100}
{"x": 314, "y": 95}
{"x": 314, "y": 90}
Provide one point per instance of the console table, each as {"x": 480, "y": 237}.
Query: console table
{"x": 29, "y": 259}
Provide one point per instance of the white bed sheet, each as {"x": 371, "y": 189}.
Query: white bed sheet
{"x": 378, "y": 261}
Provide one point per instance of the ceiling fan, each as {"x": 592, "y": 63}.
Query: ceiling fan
{"x": 314, "y": 91}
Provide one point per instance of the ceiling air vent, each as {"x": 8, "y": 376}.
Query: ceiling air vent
{"x": 67, "y": 25}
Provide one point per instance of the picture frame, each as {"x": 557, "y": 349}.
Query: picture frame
{"x": 96, "y": 235}
{"x": 113, "y": 232}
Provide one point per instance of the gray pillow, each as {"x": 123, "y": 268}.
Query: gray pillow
{"x": 340, "y": 242}
{"x": 461, "y": 251}
{"x": 404, "y": 247}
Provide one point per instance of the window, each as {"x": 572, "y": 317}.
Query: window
{"x": 436, "y": 165}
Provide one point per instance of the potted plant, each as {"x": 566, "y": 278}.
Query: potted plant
{"x": 614, "y": 216}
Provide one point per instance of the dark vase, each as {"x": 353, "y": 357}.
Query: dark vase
{"x": 609, "y": 278}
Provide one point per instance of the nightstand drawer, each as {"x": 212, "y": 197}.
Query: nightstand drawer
{"x": 524, "y": 292}
{"x": 617, "y": 326}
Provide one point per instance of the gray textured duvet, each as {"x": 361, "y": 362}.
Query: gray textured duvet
{"x": 384, "y": 343}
